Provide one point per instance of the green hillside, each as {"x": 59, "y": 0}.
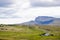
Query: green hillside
{"x": 24, "y": 32}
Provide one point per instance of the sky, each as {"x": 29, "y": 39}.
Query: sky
{"x": 19, "y": 11}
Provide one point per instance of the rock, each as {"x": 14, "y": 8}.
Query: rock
{"x": 46, "y": 34}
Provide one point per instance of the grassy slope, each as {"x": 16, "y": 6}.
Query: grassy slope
{"x": 29, "y": 33}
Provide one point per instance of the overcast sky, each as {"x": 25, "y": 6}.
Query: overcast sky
{"x": 18, "y": 11}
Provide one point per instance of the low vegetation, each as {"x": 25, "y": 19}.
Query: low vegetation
{"x": 24, "y": 32}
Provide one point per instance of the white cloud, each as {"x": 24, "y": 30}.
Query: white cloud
{"x": 45, "y": 0}
{"x": 39, "y": 11}
{"x": 13, "y": 20}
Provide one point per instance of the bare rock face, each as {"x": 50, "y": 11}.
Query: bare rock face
{"x": 44, "y": 20}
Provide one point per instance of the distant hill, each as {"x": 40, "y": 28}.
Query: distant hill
{"x": 44, "y": 20}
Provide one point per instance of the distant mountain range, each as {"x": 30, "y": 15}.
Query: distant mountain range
{"x": 44, "y": 20}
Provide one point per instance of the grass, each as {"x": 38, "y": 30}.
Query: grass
{"x": 29, "y": 32}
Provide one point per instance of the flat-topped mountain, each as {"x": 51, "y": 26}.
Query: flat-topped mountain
{"x": 44, "y": 20}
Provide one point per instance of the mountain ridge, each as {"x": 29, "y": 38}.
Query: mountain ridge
{"x": 43, "y": 20}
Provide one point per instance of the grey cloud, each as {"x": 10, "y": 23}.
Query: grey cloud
{"x": 5, "y": 3}
{"x": 7, "y": 13}
{"x": 45, "y": 4}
